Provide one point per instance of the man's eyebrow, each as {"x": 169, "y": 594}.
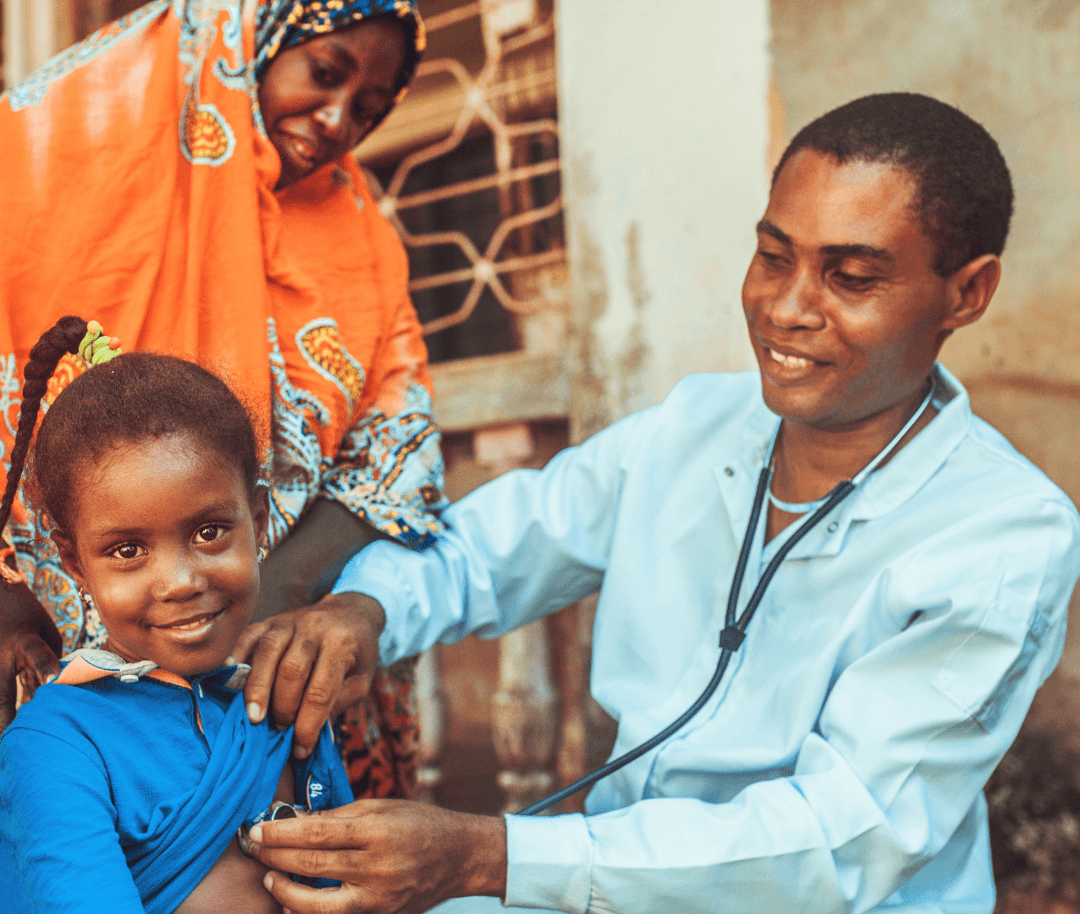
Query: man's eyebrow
{"x": 835, "y": 251}
{"x": 864, "y": 251}
{"x": 765, "y": 227}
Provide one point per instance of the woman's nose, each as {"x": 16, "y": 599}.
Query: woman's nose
{"x": 332, "y": 118}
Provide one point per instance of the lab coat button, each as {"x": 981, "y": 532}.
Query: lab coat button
{"x": 728, "y": 471}
{"x": 834, "y": 526}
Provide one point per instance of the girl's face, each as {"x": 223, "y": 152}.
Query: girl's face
{"x": 164, "y": 538}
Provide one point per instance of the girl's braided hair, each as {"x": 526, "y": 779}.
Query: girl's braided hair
{"x": 135, "y": 397}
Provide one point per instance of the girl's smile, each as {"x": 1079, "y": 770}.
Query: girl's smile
{"x": 164, "y": 540}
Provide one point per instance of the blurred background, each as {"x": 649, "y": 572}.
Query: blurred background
{"x": 577, "y": 184}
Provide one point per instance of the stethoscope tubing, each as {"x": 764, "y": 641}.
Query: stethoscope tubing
{"x": 731, "y": 636}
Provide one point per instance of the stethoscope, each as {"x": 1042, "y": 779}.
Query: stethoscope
{"x": 734, "y": 631}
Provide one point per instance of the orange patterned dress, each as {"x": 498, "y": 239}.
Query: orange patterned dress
{"x": 137, "y": 188}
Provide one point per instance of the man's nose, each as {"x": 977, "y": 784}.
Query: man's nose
{"x": 797, "y": 303}
{"x": 178, "y": 577}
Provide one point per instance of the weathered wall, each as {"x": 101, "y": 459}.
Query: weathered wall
{"x": 663, "y": 135}
{"x": 1014, "y": 65}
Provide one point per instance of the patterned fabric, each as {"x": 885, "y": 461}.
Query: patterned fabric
{"x": 137, "y": 186}
{"x": 380, "y": 737}
{"x": 280, "y": 24}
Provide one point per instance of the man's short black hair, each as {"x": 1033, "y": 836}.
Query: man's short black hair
{"x": 964, "y": 196}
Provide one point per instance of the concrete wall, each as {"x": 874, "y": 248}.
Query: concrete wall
{"x": 1014, "y": 65}
{"x": 663, "y": 122}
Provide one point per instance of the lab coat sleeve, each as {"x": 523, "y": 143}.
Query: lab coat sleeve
{"x": 906, "y": 740}
{"x": 59, "y": 849}
{"x": 524, "y": 545}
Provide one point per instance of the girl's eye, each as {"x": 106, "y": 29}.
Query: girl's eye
{"x": 209, "y": 532}
{"x": 127, "y": 551}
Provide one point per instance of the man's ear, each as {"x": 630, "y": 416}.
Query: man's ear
{"x": 260, "y": 512}
{"x": 69, "y": 556}
{"x": 970, "y": 289}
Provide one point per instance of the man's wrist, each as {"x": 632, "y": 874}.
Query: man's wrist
{"x": 486, "y": 872}
{"x": 362, "y": 608}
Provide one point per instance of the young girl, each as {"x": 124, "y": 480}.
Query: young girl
{"x": 123, "y": 782}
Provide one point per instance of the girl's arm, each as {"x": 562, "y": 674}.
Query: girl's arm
{"x": 59, "y": 848}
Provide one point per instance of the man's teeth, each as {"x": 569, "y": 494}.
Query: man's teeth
{"x": 790, "y": 361}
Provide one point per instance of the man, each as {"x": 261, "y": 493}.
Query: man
{"x": 840, "y": 763}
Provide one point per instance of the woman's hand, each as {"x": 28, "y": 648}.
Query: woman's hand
{"x": 309, "y": 662}
{"x": 392, "y": 857}
{"x": 29, "y": 647}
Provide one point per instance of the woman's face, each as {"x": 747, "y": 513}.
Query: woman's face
{"x": 320, "y": 98}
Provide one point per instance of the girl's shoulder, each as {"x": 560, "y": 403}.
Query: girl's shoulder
{"x": 80, "y": 704}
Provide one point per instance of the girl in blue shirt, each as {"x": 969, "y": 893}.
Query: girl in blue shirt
{"x": 123, "y": 783}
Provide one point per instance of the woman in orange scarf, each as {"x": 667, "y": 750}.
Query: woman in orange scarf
{"x": 183, "y": 177}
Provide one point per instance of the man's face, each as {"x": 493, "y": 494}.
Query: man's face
{"x": 845, "y": 312}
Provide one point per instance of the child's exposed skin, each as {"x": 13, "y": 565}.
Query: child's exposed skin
{"x": 164, "y": 538}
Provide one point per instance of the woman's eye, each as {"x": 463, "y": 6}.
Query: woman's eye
{"x": 323, "y": 75}
{"x": 366, "y": 117}
{"x": 126, "y": 551}
{"x": 209, "y": 533}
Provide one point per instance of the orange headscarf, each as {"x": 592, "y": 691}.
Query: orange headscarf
{"x": 136, "y": 187}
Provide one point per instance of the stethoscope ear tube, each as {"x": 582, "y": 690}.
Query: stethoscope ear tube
{"x": 731, "y": 636}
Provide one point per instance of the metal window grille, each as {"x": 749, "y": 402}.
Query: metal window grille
{"x": 467, "y": 171}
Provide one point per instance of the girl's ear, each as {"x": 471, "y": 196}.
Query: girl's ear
{"x": 260, "y": 512}
{"x": 69, "y": 556}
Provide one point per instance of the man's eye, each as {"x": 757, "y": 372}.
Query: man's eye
{"x": 851, "y": 281}
{"x": 770, "y": 258}
{"x": 126, "y": 551}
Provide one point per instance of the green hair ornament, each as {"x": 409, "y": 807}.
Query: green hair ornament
{"x": 96, "y": 348}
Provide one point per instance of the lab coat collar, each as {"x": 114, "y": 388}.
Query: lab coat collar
{"x": 882, "y": 492}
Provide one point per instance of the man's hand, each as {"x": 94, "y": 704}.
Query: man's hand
{"x": 29, "y": 647}
{"x": 307, "y": 663}
{"x": 392, "y": 857}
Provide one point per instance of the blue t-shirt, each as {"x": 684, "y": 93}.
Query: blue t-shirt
{"x": 119, "y": 796}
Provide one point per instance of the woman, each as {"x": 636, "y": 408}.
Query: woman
{"x": 183, "y": 177}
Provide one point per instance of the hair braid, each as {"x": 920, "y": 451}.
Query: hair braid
{"x": 54, "y": 344}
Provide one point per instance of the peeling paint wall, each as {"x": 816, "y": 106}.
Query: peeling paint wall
{"x": 1013, "y": 65}
{"x": 663, "y": 122}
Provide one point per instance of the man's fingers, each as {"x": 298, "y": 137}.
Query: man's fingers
{"x": 341, "y": 864}
{"x": 264, "y": 657}
{"x": 302, "y": 899}
{"x": 293, "y": 672}
{"x": 336, "y": 828}
{"x": 353, "y": 690}
{"x": 323, "y": 696}
{"x": 249, "y": 637}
